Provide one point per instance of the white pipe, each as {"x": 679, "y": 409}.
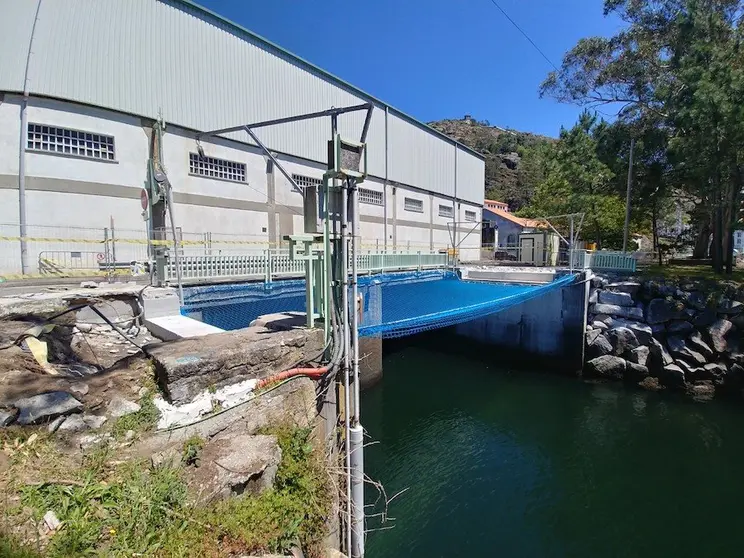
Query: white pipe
{"x": 357, "y": 491}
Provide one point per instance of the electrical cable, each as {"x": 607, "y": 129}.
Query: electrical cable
{"x": 526, "y": 36}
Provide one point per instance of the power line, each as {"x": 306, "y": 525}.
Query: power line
{"x": 526, "y": 36}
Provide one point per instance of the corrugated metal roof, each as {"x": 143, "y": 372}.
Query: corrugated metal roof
{"x": 325, "y": 73}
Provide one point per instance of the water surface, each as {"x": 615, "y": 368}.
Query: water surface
{"x": 499, "y": 462}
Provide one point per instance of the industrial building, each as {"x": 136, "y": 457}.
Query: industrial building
{"x": 82, "y": 82}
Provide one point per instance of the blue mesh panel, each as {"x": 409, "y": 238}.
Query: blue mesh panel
{"x": 405, "y": 303}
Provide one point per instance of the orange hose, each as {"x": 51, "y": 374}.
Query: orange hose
{"x": 314, "y": 373}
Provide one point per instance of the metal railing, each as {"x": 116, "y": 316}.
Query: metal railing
{"x": 604, "y": 260}
{"x": 276, "y": 264}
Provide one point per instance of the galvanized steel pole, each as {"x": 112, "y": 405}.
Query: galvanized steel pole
{"x": 627, "y": 196}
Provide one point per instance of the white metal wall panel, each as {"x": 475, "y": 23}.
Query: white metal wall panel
{"x": 471, "y": 173}
{"x": 419, "y": 158}
{"x": 149, "y": 57}
{"x": 16, "y": 22}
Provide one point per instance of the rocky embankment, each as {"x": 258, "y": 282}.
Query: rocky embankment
{"x": 663, "y": 336}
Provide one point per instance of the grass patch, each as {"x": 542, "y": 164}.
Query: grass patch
{"x": 690, "y": 272}
{"x": 134, "y": 509}
{"x": 142, "y": 421}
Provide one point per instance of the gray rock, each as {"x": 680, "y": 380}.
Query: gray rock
{"x": 623, "y": 340}
{"x": 84, "y": 327}
{"x": 619, "y": 311}
{"x": 718, "y": 331}
{"x": 51, "y": 521}
{"x": 694, "y": 299}
{"x": 658, "y": 330}
{"x": 46, "y": 406}
{"x": 604, "y": 318}
{"x": 591, "y": 335}
{"x": 689, "y": 370}
{"x": 7, "y": 416}
{"x": 705, "y": 318}
{"x": 678, "y": 348}
{"x": 598, "y": 282}
{"x": 593, "y": 296}
{"x": 697, "y": 343}
{"x": 601, "y": 326}
{"x": 599, "y": 347}
{"x": 94, "y": 421}
{"x": 658, "y": 355}
{"x": 660, "y": 310}
{"x": 75, "y": 423}
{"x": 635, "y": 372}
{"x": 81, "y": 388}
{"x": 642, "y": 332}
{"x": 618, "y": 299}
{"x": 55, "y": 424}
{"x": 607, "y": 366}
{"x": 91, "y": 441}
{"x": 730, "y": 307}
{"x": 630, "y": 287}
{"x": 639, "y": 355}
{"x": 120, "y": 407}
{"x": 237, "y": 465}
{"x": 717, "y": 370}
{"x": 650, "y": 383}
{"x": 679, "y": 326}
{"x": 672, "y": 376}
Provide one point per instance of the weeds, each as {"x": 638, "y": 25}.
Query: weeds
{"x": 136, "y": 510}
{"x": 192, "y": 449}
{"x": 143, "y": 420}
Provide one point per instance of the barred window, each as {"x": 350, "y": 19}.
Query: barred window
{"x": 412, "y": 204}
{"x": 446, "y": 210}
{"x": 211, "y": 167}
{"x": 372, "y": 197}
{"x": 306, "y": 181}
{"x": 53, "y": 139}
{"x": 470, "y": 216}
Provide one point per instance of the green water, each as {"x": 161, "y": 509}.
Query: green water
{"x": 499, "y": 462}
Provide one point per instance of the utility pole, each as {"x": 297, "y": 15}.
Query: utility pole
{"x": 627, "y": 196}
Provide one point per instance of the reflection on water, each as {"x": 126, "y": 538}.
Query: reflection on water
{"x": 498, "y": 462}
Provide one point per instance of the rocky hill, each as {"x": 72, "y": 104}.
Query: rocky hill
{"x": 511, "y": 169}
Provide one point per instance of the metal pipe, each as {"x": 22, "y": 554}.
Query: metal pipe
{"x": 385, "y": 186}
{"x": 23, "y": 136}
{"x": 176, "y": 246}
{"x": 357, "y": 490}
{"x": 328, "y": 112}
{"x": 627, "y": 196}
{"x": 270, "y": 155}
{"x": 367, "y": 121}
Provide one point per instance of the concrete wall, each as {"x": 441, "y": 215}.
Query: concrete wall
{"x": 550, "y": 327}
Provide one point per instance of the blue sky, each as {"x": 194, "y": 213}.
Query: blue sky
{"x": 434, "y": 59}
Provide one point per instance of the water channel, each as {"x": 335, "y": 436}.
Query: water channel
{"x": 497, "y": 461}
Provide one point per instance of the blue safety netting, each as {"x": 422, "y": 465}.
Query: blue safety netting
{"x": 395, "y": 304}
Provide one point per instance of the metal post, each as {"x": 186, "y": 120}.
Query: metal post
{"x": 112, "y": 271}
{"x": 627, "y": 195}
{"x": 570, "y": 246}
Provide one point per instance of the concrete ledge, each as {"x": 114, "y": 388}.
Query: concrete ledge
{"x": 189, "y": 366}
{"x": 170, "y": 328}
{"x": 509, "y": 275}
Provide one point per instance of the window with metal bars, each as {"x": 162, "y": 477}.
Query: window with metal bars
{"x": 470, "y": 216}
{"x": 372, "y": 197}
{"x": 66, "y": 141}
{"x": 446, "y": 210}
{"x": 305, "y": 181}
{"x": 211, "y": 167}
{"x": 412, "y": 204}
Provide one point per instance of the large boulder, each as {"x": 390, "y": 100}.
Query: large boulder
{"x": 600, "y": 346}
{"x": 678, "y": 348}
{"x": 607, "y": 366}
{"x": 623, "y": 340}
{"x": 639, "y": 355}
{"x": 236, "y": 465}
{"x": 672, "y": 376}
{"x": 617, "y": 311}
{"x": 718, "y": 332}
{"x": 642, "y": 332}
{"x": 694, "y": 299}
{"x": 630, "y": 287}
{"x": 661, "y": 310}
{"x": 618, "y": 299}
{"x": 46, "y": 407}
{"x": 635, "y": 372}
{"x": 679, "y": 327}
{"x": 593, "y": 296}
{"x": 698, "y": 344}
